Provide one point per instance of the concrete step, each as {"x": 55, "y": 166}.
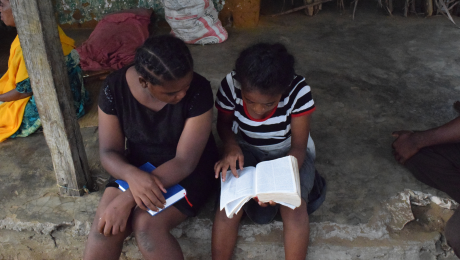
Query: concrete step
{"x": 329, "y": 241}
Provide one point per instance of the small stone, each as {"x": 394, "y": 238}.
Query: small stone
{"x": 250, "y": 239}
{"x": 339, "y": 104}
{"x": 380, "y": 119}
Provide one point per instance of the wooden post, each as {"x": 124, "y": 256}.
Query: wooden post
{"x": 429, "y": 8}
{"x": 42, "y": 50}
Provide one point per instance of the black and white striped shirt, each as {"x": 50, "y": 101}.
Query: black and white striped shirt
{"x": 276, "y": 127}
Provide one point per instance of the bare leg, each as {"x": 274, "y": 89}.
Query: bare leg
{"x": 224, "y": 235}
{"x": 452, "y": 232}
{"x": 99, "y": 246}
{"x": 152, "y": 233}
{"x": 296, "y": 228}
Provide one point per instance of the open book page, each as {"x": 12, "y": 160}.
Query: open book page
{"x": 295, "y": 167}
{"x": 235, "y": 206}
{"x": 237, "y": 188}
{"x": 276, "y": 176}
{"x": 285, "y": 204}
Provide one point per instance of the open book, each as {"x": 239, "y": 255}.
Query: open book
{"x": 276, "y": 180}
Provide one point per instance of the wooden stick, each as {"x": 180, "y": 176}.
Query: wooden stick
{"x": 42, "y": 50}
{"x": 429, "y": 7}
{"x": 443, "y": 6}
{"x": 92, "y": 74}
{"x": 354, "y": 9}
{"x": 340, "y": 5}
{"x": 301, "y": 8}
{"x": 406, "y": 7}
{"x": 448, "y": 13}
{"x": 452, "y": 6}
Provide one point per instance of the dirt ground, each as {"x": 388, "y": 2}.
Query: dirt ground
{"x": 369, "y": 77}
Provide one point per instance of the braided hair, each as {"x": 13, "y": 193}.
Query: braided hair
{"x": 268, "y": 68}
{"x": 163, "y": 58}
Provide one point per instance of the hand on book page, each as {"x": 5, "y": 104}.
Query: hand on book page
{"x": 265, "y": 204}
{"x": 232, "y": 154}
{"x": 274, "y": 181}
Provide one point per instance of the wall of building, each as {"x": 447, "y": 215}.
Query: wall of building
{"x": 81, "y": 11}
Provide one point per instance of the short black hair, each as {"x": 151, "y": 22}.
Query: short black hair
{"x": 268, "y": 68}
{"x": 163, "y": 58}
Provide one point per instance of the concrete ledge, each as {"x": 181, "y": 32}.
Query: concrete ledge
{"x": 52, "y": 227}
{"x": 328, "y": 241}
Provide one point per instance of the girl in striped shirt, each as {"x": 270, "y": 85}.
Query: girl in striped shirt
{"x": 264, "y": 112}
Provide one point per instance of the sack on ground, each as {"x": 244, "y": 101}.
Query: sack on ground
{"x": 194, "y": 21}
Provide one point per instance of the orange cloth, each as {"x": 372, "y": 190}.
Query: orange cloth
{"x": 11, "y": 113}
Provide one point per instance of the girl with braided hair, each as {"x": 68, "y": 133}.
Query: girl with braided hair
{"x": 163, "y": 109}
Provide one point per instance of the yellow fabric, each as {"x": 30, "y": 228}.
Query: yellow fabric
{"x": 11, "y": 113}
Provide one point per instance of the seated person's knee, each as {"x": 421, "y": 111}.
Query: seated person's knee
{"x": 145, "y": 241}
{"x": 221, "y": 216}
{"x": 453, "y": 239}
{"x": 142, "y": 221}
{"x": 298, "y": 215}
{"x": 452, "y": 232}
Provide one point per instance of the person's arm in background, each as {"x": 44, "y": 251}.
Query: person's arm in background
{"x": 408, "y": 143}
{"x": 13, "y": 95}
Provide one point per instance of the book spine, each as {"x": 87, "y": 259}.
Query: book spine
{"x": 170, "y": 201}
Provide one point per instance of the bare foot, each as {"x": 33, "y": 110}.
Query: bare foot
{"x": 457, "y": 106}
